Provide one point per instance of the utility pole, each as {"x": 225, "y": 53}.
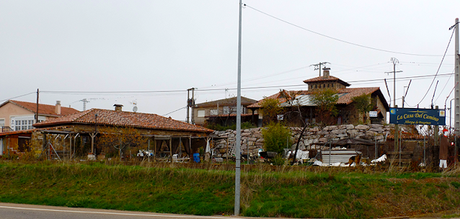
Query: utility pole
{"x": 85, "y": 101}
{"x": 36, "y": 113}
{"x": 193, "y": 105}
{"x": 190, "y": 104}
{"x": 238, "y": 117}
{"x": 457, "y": 80}
{"x": 395, "y": 61}
{"x": 318, "y": 66}
{"x": 405, "y": 93}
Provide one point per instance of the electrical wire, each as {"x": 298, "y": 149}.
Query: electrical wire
{"x": 219, "y": 89}
{"x": 440, "y": 64}
{"x": 175, "y": 111}
{"x": 333, "y": 38}
{"x": 113, "y": 92}
{"x": 447, "y": 83}
{"x": 17, "y": 96}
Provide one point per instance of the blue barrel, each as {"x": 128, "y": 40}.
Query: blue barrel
{"x": 196, "y": 157}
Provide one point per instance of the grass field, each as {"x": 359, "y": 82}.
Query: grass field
{"x": 209, "y": 189}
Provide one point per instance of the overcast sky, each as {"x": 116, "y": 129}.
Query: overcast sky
{"x": 72, "y": 50}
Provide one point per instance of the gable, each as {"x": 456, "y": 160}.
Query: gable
{"x": 11, "y": 109}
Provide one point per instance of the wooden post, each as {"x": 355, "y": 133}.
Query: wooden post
{"x": 154, "y": 149}
{"x": 190, "y": 146}
{"x": 170, "y": 148}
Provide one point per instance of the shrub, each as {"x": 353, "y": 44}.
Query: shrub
{"x": 276, "y": 137}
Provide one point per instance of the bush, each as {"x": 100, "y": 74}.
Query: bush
{"x": 276, "y": 137}
{"x": 278, "y": 160}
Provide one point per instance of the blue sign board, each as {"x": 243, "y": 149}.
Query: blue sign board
{"x": 413, "y": 116}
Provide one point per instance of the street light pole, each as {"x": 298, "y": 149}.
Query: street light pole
{"x": 238, "y": 120}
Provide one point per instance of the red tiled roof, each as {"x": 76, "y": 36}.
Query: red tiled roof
{"x": 349, "y": 93}
{"x": 43, "y": 109}
{"x": 28, "y": 131}
{"x": 278, "y": 96}
{"x": 326, "y": 79}
{"x": 227, "y": 102}
{"x": 346, "y": 95}
{"x": 121, "y": 118}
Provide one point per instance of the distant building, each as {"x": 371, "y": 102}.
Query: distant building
{"x": 19, "y": 115}
{"x": 299, "y": 107}
{"x": 222, "y": 112}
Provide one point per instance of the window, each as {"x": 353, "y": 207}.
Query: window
{"x": 226, "y": 110}
{"x": 201, "y": 113}
{"x": 213, "y": 112}
{"x": 23, "y": 123}
{"x": 2, "y": 122}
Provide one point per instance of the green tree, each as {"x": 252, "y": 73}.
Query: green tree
{"x": 325, "y": 101}
{"x": 363, "y": 104}
{"x": 270, "y": 109}
{"x": 276, "y": 137}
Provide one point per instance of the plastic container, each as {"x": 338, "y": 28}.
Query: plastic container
{"x": 196, "y": 157}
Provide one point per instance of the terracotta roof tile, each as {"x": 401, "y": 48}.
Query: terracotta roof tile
{"x": 121, "y": 118}
{"x": 349, "y": 93}
{"x": 43, "y": 109}
{"x": 326, "y": 79}
{"x": 346, "y": 95}
{"x": 227, "y": 102}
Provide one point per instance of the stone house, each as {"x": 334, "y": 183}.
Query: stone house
{"x": 299, "y": 107}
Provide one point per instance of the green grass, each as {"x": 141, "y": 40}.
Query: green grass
{"x": 209, "y": 190}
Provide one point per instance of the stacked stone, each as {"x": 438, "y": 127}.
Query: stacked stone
{"x": 252, "y": 139}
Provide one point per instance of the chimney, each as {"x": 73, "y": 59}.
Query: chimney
{"x": 326, "y": 72}
{"x": 57, "y": 108}
{"x": 118, "y": 107}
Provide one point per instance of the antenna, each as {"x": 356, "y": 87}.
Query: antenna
{"x": 135, "y": 106}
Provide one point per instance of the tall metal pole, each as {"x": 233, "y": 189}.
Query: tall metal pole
{"x": 193, "y": 105}
{"x": 36, "y": 113}
{"x": 188, "y": 105}
{"x": 394, "y": 61}
{"x": 457, "y": 80}
{"x": 238, "y": 119}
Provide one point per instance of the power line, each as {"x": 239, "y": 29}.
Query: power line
{"x": 439, "y": 67}
{"x": 17, "y": 96}
{"x": 218, "y": 89}
{"x": 333, "y": 38}
{"x": 114, "y": 92}
{"x": 447, "y": 83}
{"x": 175, "y": 111}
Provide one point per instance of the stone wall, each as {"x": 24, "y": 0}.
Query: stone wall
{"x": 252, "y": 139}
